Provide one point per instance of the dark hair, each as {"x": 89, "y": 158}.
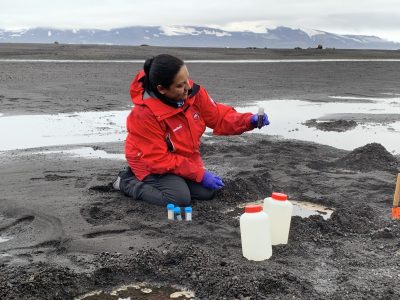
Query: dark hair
{"x": 161, "y": 70}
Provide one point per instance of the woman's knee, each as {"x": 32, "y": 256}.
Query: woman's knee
{"x": 171, "y": 188}
{"x": 198, "y": 192}
{"x": 178, "y": 197}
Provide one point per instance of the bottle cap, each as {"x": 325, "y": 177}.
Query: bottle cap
{"x": 253, "y": 208}
{"x": 279, "y": 196}
{"x": 188, "y": 209}
{"x": 177, "y": 210}
{"x": 170, "y": 206}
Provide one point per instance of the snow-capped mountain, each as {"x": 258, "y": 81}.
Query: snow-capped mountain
{"x": 193, "y": 36}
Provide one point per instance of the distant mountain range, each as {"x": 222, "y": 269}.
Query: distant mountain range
{"x": 192, "y": 36}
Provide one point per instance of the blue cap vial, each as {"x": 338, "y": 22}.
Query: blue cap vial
{"x": 170, "y": 206}
{"x": 188, "y": 209}
{"x": 177, "y": 213}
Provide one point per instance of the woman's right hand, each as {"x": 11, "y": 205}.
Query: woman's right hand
{"x": 264, "y": 120}
{"x": 211, "y": 181}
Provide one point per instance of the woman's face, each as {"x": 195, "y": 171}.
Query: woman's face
{"x": 179, "y": 88}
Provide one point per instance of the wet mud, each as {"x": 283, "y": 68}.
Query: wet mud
{"x": 126, "y": 241}
{"x": 368, "y": 158}
{"x": 69, "y": 233}
{"x": 337, "y": 125}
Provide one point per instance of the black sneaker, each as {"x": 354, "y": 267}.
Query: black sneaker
{"x": 125, "y": 173}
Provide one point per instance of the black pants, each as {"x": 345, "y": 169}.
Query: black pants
{"x": 163, "y": 189}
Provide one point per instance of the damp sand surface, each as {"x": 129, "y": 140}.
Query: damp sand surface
{"x": 72, "y": 234}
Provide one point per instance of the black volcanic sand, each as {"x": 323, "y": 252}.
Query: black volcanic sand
{"x": 39, "y": 87}
{"x": 71, "y": 233}
{"x": 337, "y": 125}
{"x": 96, "y": 52}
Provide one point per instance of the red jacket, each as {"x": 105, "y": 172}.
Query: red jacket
{"x": 163, "y": 139}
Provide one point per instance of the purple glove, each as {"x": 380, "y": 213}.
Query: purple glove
{"x": 254, "y": 120}
{"x": 211, "y": 181}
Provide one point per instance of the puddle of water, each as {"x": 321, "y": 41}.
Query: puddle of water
{"x": 139, "y": 292}
{"x": 86, "y": 152}
{"x": 31, "y": 131}
{"x": 286, "y": 116}
{"x": 6, "y": 235}
{"x": 4, "y": 239}
{"x": 300, "y": 209}
{"x": 391, "y": 94}
{"x": 372, "y": 99}
{"x": 307, "y": 209}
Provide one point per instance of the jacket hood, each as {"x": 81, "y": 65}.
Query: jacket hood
{"x": 136, "y": 89}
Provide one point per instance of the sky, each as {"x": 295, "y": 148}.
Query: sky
{"x": 367, "y": 17}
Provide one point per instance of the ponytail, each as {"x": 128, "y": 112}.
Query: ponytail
{"x": 146, "y": 67}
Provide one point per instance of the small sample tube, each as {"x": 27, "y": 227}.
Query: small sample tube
{"x": 177, "y": 213}
{"x": 170, "y": 209}
{"x": 188, "y": 213}
{"x": 260, "y": 117}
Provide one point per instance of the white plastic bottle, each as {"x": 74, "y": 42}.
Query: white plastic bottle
{"x": 280, "y": 214}
{"x": 255, "y": 233}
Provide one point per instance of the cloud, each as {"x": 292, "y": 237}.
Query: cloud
{"x": 354, "y": 17}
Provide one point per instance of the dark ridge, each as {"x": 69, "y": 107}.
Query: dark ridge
{"x": 337, "y": 125}
{"x": 370, "y": 157}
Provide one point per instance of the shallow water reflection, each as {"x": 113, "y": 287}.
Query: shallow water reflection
{"x": 86, "y": 152}
{"x": 307, "y": 209}
{"x": 4, "y": 239}
{"x": 378, "y": 121}
{"x": 300, "y": 209}
{"x": 139, "y": 292}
